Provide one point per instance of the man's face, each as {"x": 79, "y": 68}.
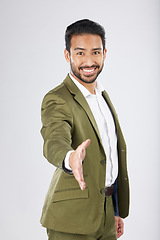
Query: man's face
{"x": 86, "y": 57}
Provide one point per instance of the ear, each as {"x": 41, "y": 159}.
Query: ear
{"x": 67, "y": 55}
{"x": 104, "y": 54}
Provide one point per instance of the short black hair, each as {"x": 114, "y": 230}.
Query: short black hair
{"x": 84, "y": 26}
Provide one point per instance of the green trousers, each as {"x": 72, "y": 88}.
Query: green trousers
{"x": 106, "y": 231}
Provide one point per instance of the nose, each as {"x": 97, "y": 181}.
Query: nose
{"x": 88, "y": 61}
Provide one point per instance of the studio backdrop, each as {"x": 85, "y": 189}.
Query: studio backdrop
{"x": 32, "y": 63}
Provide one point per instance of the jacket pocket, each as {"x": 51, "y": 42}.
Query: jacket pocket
{"x": 69, "y": 194}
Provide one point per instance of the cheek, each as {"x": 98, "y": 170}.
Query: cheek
{"x": 101, "y": 61}
{"x": 74, "y": 62}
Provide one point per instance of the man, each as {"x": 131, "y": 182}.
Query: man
{"x": 89, "y": 192}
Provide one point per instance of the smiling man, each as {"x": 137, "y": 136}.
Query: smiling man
{"x": 89, "y": 193}
{"x": 86, "y": 57}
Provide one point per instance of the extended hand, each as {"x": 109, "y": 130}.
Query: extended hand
{"x": 119, "y": 226}
{"x": 75, "y": 161}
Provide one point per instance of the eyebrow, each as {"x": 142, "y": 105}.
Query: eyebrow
{"x": 79, "y": 48}
{"x": 94, "y": 49}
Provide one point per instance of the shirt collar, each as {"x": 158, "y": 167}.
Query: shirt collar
{"x": 99, "y": 88}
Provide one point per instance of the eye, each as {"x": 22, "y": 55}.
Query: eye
{"x": 96, "y": 53}
{"x": 80, "y": 53}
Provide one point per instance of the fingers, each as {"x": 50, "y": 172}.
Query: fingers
{"x": 82, "y": 185}
{"x": 79, "y": 177}
{"x": 78, "y": 174}
{"x": 85, "y": 144}
{"x": 119, "y": 226}
{"x": 82, "y": 149}
{"x": 75, "y": 161}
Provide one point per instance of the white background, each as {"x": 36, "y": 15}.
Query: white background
{"x": 32, "y": 63}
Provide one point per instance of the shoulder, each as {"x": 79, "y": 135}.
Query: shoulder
{"x": 56, "y": 95}
{"x": 55, "y": 107}
{"x": 63, "y": 93}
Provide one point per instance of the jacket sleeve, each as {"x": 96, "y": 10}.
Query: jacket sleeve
{"x": 56, "y": 129}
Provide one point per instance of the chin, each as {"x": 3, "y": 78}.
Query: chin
{"x": 88, "y": 80}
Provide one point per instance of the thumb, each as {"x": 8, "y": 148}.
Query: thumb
{"x": 82, "y": 149}
{"x": 85, "y": 144}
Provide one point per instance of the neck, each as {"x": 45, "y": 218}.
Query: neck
{"x": 90, "y": 86}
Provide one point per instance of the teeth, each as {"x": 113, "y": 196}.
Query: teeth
{"x": 88, "y": 70}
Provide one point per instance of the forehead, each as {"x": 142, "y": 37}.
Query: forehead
{"x": 87, "y": 41}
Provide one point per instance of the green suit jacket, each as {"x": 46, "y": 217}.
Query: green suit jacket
{"x": 67, "y": 122}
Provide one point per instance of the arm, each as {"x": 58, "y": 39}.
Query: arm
{"x": 57, "y": 134}
{"x": 57, "y": 128}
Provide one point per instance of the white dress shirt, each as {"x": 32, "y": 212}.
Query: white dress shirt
{"x": 106, "y": 127}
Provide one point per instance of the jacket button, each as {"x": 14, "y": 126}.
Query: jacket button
{"x": 102, "y": 191}
{"x": 103, "y": 162}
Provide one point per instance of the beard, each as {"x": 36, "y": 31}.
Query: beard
{"x": 78, "y": 75}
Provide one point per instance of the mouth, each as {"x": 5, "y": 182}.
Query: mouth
{"x": 89, "y": 71}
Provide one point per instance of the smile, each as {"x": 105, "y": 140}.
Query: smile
{"x": 89, "y": 71}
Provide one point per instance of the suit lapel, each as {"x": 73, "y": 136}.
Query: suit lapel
{"x": 82, "y": 101}
{"x": 112, "y": 109}
{"x": 78, "y": 96}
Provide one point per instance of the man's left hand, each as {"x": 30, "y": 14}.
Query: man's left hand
{"x": 119, "y": 226}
